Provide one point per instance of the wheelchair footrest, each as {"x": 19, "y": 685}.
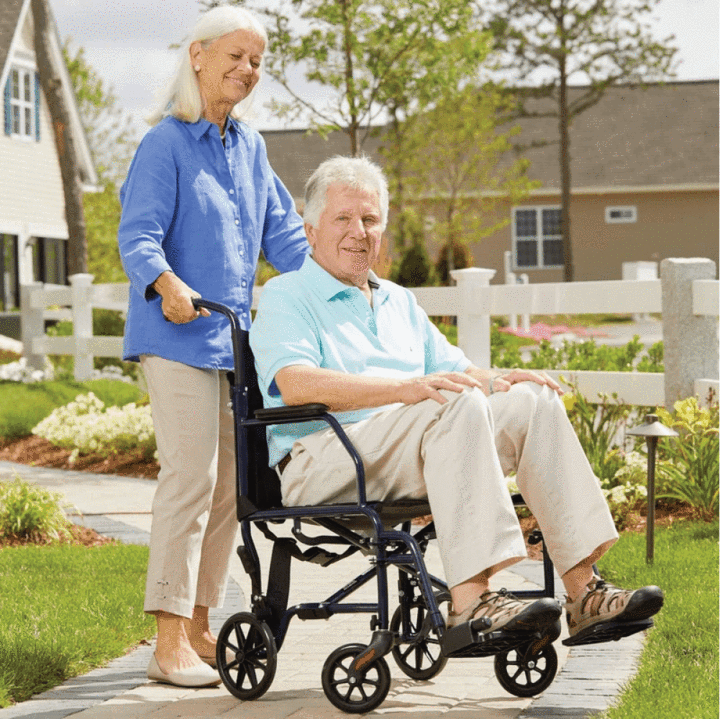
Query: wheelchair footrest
{"x": 607, "y": 632}
{"x": 464, "y": 641}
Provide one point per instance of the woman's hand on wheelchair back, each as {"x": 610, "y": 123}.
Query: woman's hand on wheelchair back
{"x": 177, "y": 297}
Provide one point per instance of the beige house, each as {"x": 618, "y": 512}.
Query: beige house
{"x": 644, "y": 183}
{"x": 33, "y": 233}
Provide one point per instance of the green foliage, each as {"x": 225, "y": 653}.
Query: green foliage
{"x": 413, "y": 269}
{"x": 22, "y": 406}
{"x": 65, "y": 610}
{"x": 588, "y": 355}
{"x": 688, "y": 470}
{"x": 678, "y": 673}
{"x": 108, "y": 128}
{"x": 6, "y": 356}
{"x": 31, "y": 512}
{"x": 460, "y": 259}
{"x": 102, "y": 219}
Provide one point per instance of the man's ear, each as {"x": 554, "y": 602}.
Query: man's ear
{"x": 310, "y": 234}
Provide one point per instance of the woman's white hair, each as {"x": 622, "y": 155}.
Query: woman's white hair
{"x": 182, "y": 97}
{"x": 359, "y": 173}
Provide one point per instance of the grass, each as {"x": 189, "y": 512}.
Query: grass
{"x": 66, "y": 609}
{"x": 678, "y": 676}
{"x": 22, "y": 406}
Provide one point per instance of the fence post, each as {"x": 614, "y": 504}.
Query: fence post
{"x": 473, "y": 327}
{"x": 690, "y": 341}
{"x": 82, "y": 324}
{"x": 32, "y": 325}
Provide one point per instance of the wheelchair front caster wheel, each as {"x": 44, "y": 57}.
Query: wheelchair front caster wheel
{"x": 527, "y": 670}
{"x": 418, "y": 655}
{"x": 358, "y": 692}
{"x": 246, "y": 656}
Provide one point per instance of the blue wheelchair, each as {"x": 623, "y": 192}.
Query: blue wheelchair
{"x": 356, "y": 676}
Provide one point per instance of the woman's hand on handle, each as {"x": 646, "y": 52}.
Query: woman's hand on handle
{"x": 177, "y": 306}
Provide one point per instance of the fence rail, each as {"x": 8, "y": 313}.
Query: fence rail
{"x": 687, "y": 296}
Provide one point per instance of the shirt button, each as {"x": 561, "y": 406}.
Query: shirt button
{"x": 237, "y": 222}
{"x": 243, "y": 283}
{"x": 232, "y": 192}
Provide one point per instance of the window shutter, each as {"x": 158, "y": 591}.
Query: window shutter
{"x": 37, "y": 107}
{"x": 8, "y": 111}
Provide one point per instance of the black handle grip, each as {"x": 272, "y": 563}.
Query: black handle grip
{"x": 235, "y": 328}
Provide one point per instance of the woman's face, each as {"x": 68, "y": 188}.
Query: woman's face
{"x": 229, "y": 67}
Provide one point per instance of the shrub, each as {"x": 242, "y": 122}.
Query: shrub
{"x": 22, "y": 406}
{"x": 86, "y": 427}
{"x": 688, "y": 470}
{"x": 31, "y": 512}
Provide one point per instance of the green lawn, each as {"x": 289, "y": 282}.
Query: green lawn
{"x": 65, "y": 610}
{"x": 678, "y": 676}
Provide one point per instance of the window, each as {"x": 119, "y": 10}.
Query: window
{"x": 536, "y": 237}
{"x": 9, "y": 273}
{"x": 50, "y": 260}
{"x": 616, "y": 215}
{"x": 22, "y": 108}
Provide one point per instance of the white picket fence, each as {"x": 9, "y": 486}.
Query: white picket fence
{"x": 691, "y": 365}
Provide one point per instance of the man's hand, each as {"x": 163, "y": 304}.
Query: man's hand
{"x": 502, "y": 383}
{"x": 417, "y": 389}
{"x": 177, "y": 306}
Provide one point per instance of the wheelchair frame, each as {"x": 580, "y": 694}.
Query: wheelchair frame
{"x": 355, "y": 677}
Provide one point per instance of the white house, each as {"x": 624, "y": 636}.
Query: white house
{"x": 33, "y": 232}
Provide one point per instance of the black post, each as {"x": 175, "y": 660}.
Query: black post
{"x": 650, "y": 533}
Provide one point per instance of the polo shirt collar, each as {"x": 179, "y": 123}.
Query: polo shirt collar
{"x": 329, "y": 287}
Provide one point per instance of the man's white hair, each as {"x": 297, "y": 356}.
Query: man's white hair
{"x": 359, "y": 173}
{"x": 182, "y": 97}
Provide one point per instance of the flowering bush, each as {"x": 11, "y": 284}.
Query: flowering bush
{"x": 627, "y": 490}
{"x": 86, "y": 426}
{"x": 31, "y": 512}
{"x": 20, "y": 372}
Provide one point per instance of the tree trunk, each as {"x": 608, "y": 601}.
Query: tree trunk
{"x": 67, "y": 154}
{"x": 350, "y": 81}
{"x": 564, "y": 122}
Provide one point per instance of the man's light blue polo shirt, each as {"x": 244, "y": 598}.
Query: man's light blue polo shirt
{"x": 310, "y": 318}
{"x": 204, "y": 211}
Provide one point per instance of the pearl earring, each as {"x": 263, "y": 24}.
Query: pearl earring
{"x": 197, "y": 68}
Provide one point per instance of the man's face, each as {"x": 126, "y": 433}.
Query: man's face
{"x": 346, "y": 241}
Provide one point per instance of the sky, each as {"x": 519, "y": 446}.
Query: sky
{"x": 127, "y": 43}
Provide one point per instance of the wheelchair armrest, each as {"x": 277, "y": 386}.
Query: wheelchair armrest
{"x": 298, "y": 412}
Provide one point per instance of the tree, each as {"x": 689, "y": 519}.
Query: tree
{"x": 365, "y": 56}
{"x": 108, "y": 129}
{"x": 598, "y": 42}
{"x": 51, "y": 84}
{"x": 112, "y": 141}
{"x": 458, "y": 158}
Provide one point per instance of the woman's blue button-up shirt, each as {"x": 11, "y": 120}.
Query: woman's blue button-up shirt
{"x": 203, "y": 211}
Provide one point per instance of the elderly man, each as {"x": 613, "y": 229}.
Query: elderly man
{"x": 426, "y": 421}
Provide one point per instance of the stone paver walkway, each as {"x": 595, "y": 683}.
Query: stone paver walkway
{"x": 588, "y": 681}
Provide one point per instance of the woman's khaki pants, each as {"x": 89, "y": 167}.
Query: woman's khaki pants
{"x": 194, "y": 521}
{"x": 456, "y": 455}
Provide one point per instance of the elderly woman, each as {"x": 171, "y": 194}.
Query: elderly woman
{"x": 199, "y": 203}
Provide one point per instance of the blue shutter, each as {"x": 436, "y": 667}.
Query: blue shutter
{"x": 37, "y": 107}
{"x": 8, "y": 109}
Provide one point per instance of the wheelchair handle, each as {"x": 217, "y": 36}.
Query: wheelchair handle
{"x": 235, "y": 329}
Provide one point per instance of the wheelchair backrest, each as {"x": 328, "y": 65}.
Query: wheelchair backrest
{"x": 262, "y": 482}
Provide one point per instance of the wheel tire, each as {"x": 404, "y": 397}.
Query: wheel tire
{"x": 527, "y": 670}
{"x": 246, "y": 656}
{"x": 418, "y": 656}
{"x": 349, "y": 697}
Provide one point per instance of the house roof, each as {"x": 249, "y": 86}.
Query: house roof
{"x": 663, "y": 136}
{"x": 13, "y": 14}
{"x": 9, "y": 16}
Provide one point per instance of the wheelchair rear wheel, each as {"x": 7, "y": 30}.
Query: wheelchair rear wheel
{"x": 246, "y": 656}
{"x": 356, "y": 694}
{"x": 418, "y": 655}
{"x": 528, "y": 669}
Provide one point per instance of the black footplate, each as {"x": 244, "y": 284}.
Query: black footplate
{"x": 607, "y": 632}
{"x": 472, "y": 639}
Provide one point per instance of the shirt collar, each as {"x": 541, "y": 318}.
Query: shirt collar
{"x": 203, "y": 126}
{"x": 329, "y": 287}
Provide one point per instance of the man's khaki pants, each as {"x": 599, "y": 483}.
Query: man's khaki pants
{"x": 194, "y": 521}
{"x": 457, "y": 455}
